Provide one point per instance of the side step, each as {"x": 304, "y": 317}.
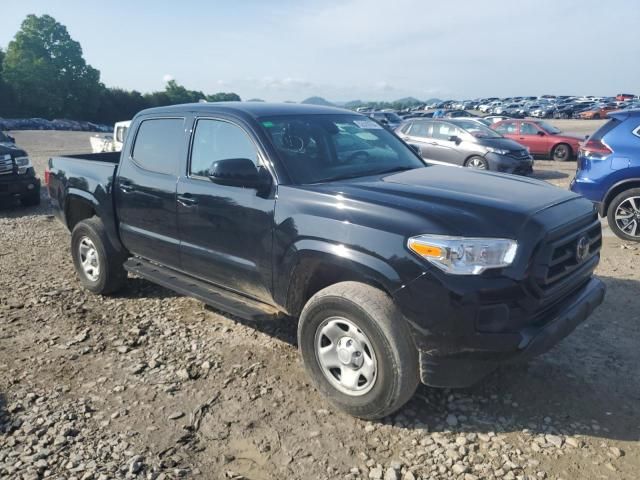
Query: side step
{"x": 218, "y": 298}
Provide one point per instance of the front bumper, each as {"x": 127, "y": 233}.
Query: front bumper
{"x": 462, "y": 360}
{"x": 508, "y": 164}
{"x": 17, "y": 186}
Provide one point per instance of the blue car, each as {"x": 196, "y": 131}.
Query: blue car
{"x": 609, "y": 172}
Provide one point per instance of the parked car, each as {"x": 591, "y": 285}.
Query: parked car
{"x": 466, "y": 143}
{"x": 17, "y": 176}
{"x": 540, "y": 137}
{"x": 390, "y": 120}
{"x": 569, "y": 110}
{"x": 609, "y": 173}
{"x": 596, "y": 113}
{"x": 625, "y": 96}
{"x": 398, "y": 271}
{"x": 6, "y": 138}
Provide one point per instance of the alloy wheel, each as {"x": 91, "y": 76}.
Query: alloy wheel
{"x": 627, "y": 216}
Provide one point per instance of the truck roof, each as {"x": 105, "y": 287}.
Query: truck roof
{"x": 253, "y": 109}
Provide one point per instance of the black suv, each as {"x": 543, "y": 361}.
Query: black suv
{"x": 17, "y": 176}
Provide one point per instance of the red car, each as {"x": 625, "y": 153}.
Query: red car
{"x": 541, "y": 138}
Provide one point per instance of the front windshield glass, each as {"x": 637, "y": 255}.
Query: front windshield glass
{"x": 322, "y": 148}
{"x": 4, "y": 138}
{"x": 547, "y": 127}
{"x": 393, "y": 117}
{"x": 476, "y": 129}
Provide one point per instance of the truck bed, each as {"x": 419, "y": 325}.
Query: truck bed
{"x": 106, "y": 157}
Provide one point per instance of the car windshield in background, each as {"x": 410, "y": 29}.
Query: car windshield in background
{"x": 476, "y": 129}
{"x": 322, "y": 148}
{"x": 4, "y": 138}
{"x": 393, "y": 117}
{"x": 548, "y": 127}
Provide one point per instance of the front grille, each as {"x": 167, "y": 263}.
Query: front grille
{"x": 559, "y": 267}
{"x": 6, "y": 165}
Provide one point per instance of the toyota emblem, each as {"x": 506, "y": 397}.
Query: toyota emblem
{"x": 582, "y": 249}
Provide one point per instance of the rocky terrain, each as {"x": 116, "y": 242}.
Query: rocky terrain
{"x": 148, "y": 384}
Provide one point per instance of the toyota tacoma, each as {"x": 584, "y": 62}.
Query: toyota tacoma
{"x": 398, "y": 272}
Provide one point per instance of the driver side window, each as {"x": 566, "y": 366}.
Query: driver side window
{"x": 528, "y": 129}
{"x": 215, "y": 140}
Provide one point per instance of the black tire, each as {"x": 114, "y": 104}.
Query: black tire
{"x": 374, "y": 314}
{"x": 31, "y": 200}
{"x": 561, "y": 152}
{"x": 633, "y": 230}
{"x": 111, "y": 275}
{"x": 473, "y": 162}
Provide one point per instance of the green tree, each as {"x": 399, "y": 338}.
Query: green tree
{"x": 223, "y": 97}
{"x": 47, "y": 74}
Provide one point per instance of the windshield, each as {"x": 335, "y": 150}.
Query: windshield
{"x": 393, "y": 117}
{"x": 319, "y": 148}
{"x": 4, "y": 138}
{"x": 547, "y": 127}
{"x": 476, "y": 129}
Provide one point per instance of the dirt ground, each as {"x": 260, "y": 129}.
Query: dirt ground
{"x": 148, "y": 384}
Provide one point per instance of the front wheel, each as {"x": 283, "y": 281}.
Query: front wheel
{"x": 357, "y": 349}
{"x": 478, "y": 163}
{"x": 97, "y": 262}
{"x": 624, "y": 215}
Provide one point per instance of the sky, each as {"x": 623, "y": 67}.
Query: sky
{"x": 354, "y": 49}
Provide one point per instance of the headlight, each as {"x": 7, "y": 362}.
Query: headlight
{"x": 499, "y": 151}
{"x": 464, "y": 256}
{"x": 23, "y": 164}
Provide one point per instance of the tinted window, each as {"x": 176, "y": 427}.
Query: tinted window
{"x": 528, "y": 129}
{"x": 506, "y": 127}
{"x": 216, "y": 140}
{"x": 159, "y": 144}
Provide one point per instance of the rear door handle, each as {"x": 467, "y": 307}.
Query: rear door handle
{"x": 187, "y": 200}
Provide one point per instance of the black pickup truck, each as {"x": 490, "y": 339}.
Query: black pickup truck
{"x": 397, "y": 271}
{"x": 17, "y": 176}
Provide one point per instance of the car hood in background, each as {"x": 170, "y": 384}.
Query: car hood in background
{"x": 503, "y": 143}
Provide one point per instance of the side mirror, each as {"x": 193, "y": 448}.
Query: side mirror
{"x": 239, "y": 172}
{"x": 541, "y": 133}
{"x": 455, "y": 138}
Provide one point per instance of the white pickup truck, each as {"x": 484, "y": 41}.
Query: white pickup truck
{"x": 109, "y": 143}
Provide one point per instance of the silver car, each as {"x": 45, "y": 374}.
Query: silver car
{"x": 465, "y": 143}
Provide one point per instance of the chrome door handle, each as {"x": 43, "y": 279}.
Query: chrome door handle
{"x": 126, "y": 188}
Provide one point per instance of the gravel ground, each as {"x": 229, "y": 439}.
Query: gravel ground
{"x": 149, "y": 384}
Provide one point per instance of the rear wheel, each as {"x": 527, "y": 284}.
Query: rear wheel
{"x": 357, "y": 349}
{"x": 561, "y": 152}
{"x": 98, "y": 263}
{"x": 478, "y": 163}
{"x": 624, "y": 215}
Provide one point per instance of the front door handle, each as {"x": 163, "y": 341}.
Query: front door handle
{"x": 187, "y": 200}
{"x": 126, "y": 187}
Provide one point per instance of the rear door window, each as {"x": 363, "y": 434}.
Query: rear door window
{"x": 507, "y": 128}
{"x": 420, "y": 129}
{"x": 159, "y": 145}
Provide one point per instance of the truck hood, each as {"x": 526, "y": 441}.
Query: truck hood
{"x": 449, "y": 200}
{"x": 11, "y": 149}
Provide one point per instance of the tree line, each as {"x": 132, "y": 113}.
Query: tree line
{"x": 43, "y": 74}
